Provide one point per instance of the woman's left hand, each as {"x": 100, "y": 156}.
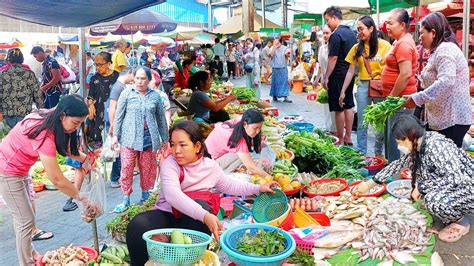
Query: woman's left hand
{"x": 410, "y": 104}
{"x": 415, "y": 194}
{"x": 268, "y": 187}
{"x": 341, "y": 99}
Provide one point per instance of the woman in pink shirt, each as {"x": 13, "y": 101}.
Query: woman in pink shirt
{"x": 186, "y": 200}
{"x": 40, "y": 135}
{"x": 230, "y": 143}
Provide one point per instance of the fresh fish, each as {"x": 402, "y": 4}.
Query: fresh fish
{"x": 403, "y": 257}
{"x": 436, "y": 259}
{"x": 386, "y": 263}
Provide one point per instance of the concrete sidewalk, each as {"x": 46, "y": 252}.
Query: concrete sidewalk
{"x": 69, "y": 228}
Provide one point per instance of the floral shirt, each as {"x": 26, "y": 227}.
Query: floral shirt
{"x": 46, "y": 66}
{"x": 445, "y": 80}
{"x": 19, "y": 89}
{"x": 443, "y": 166}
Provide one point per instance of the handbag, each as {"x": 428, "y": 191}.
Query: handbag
{"x": 375, "y": 85}
{"x": 248, "y": 68}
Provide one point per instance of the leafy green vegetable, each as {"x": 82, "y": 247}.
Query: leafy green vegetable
{"x": 342, "y": 171}
{"x": 61, "y": 159}
{"x": 376, "y": 115}
{"x": 244, "y": 93}
{"x": 316, "y": 153}
{"x": 263, "y": 243}
{"x": 322, "y": 96}
{"x": 301, "y": 257}
{"x": 4, "y": 129}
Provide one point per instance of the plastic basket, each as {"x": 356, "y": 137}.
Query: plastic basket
{"x": 376, "y": 194}
{"x": 240, "y": 208}
{"x": 285, "y": 221}
{"x": 168, "y": 253}
{"x": 228, "y": 205}
{"x": 326, "y": 180}
{"x": 91, "y": 255}
{"x": 269, "y": 206}
{"x": 374, "y": 169}
{"x": 303, "y": 219}
{"x": 231, "y": 237}
{"x": 301, "y": 126}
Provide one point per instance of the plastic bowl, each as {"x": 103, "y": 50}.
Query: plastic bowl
{"x": 229, "y": 240}
{"x": 91, "y": 255}
{"x": 290, "y": 154}
{"x": 269, "y": 206}
{"x": 282, "y": 220}
{"x": 326, "y": 180}
{"x": 376, "y": 194}
{"x": 227, "y": 203}
{"x": 301, "y": 126}
{"x": 37, "y": 187}
{"x": 377, "y": 165}
{"x": 168, "y": 253}
{"x": 292, "y": 192}
{"x": 392, "y": 185}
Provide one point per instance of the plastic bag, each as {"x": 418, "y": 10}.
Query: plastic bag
{"x": 108, "y": 154}
{"x": 267, "y": 158}
{"x": 94, "y": 191}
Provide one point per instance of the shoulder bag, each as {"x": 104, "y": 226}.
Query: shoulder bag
{"x": 375, "y": 85}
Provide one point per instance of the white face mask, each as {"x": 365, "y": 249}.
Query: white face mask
{"x": 404, "y": 150}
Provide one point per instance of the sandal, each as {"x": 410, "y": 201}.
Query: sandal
{"x": 453, "y": 232}
{"x": 69, "y": 206}
{"x": 120, "y": 208}
{"x": 42, "y": 235}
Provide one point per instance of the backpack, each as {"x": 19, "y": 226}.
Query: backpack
{"x": 67, "y": 75}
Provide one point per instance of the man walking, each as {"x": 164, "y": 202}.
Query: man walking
{"x": 51, "y": 77}
{"x": 341, "y": 41}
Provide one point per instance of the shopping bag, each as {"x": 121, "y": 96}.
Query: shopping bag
{"x": 267, "y": 158}
{"x": 108, "y": 154}
{"x": 94, "y": 192}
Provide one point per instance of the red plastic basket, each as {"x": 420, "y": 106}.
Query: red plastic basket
{"x": 376, "y": 167}
{"x": 376, "y": 194}
{"x": 288, "y": 223}
{"x": 326, "y": 180}
{"x": 292, "y": 192}
{"x": 92, "y": 253}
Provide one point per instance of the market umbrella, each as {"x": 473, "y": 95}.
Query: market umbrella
{"x": 13, "y": 44}
{"x": 147, "y": 21}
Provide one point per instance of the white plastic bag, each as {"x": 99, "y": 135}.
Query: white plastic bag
{"x": 267, "y": 158}
{"x": 94, "y": 191}
{"x": 108, "y": 154}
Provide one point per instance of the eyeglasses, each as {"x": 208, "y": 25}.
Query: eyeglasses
{"x": 100, "y": 65}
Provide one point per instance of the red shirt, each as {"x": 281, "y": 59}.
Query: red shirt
{"x": 403, "y": 50}
{"x": 18, "y": 153}
{"x": 181, "y": 79}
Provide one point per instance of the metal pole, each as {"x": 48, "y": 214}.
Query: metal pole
{"x": 82, "y": 62}
{"x": 465, "y": 27}
{"x": 283, "y": 18}
{"x": 209, "y": 16}
{"x": 263, "y": 14}
{"x": 378, "y": 12}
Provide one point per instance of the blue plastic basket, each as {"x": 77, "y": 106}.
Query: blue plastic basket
{"x": 301, "y": 126}
{"x": 269, "y": 206}
{"x": 168, "y": 253}
{"x": 231, "y": 237}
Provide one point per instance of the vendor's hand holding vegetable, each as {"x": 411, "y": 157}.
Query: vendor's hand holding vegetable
{"x": 268, "y": 187}
{"x": 215, "y": 226}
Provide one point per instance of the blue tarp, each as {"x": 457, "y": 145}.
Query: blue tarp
{"x": 71, "y": 13}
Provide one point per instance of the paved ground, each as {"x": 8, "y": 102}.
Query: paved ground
{"x": 69, "y": 228}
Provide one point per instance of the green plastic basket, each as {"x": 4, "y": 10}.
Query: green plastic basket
{"x": 269, "y": 206}
{"x": 168, "y": 253}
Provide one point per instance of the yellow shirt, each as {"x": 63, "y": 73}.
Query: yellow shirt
{"x": 118, "y": 61}
{"x": 376, "y": 63}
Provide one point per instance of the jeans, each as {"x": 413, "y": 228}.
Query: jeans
{"x": 13, "y": 120}
{"x": 363, "y": 100}
{"x": 391, "y": 148}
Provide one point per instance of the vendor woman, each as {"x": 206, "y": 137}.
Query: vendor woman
{"x": 201, "y": 105}
{"x": 186, "y": 200}
{"x": 442, "y": 175}
{"x": 230, "y": 143}
{"x": 40, "y": 135}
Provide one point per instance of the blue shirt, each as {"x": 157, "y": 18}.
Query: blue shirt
{"x": 132, "y": 111}
{"x": 279, "y": 59}
{"x": 196, "y": 104}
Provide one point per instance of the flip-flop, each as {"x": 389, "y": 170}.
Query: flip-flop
{"x": 120, "y": 208}
{"x": 39, "y": 236}
{"x": 453, "y": 232}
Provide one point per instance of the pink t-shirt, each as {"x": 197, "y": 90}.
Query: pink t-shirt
{"x": 202, "y": 175}
{"x": 18, "y": 153}
{"x": 216, "y": 142}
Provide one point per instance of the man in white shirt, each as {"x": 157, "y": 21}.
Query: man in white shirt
{"x": 266, "y": 62}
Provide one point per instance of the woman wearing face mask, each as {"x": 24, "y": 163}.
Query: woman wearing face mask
{"x": 445, "y": 80}
{"x": 398, "y": 75}
{"x": 186, "y": 200}
{"x": 370, "y": 51}
{"x": 40, "y": 135}
{"x": 140, "y": 127}
{"x": 230, "y": 143}
{"x": 442, "y": 175}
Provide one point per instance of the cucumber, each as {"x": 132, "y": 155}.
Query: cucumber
{"x": 112, "y": 258}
